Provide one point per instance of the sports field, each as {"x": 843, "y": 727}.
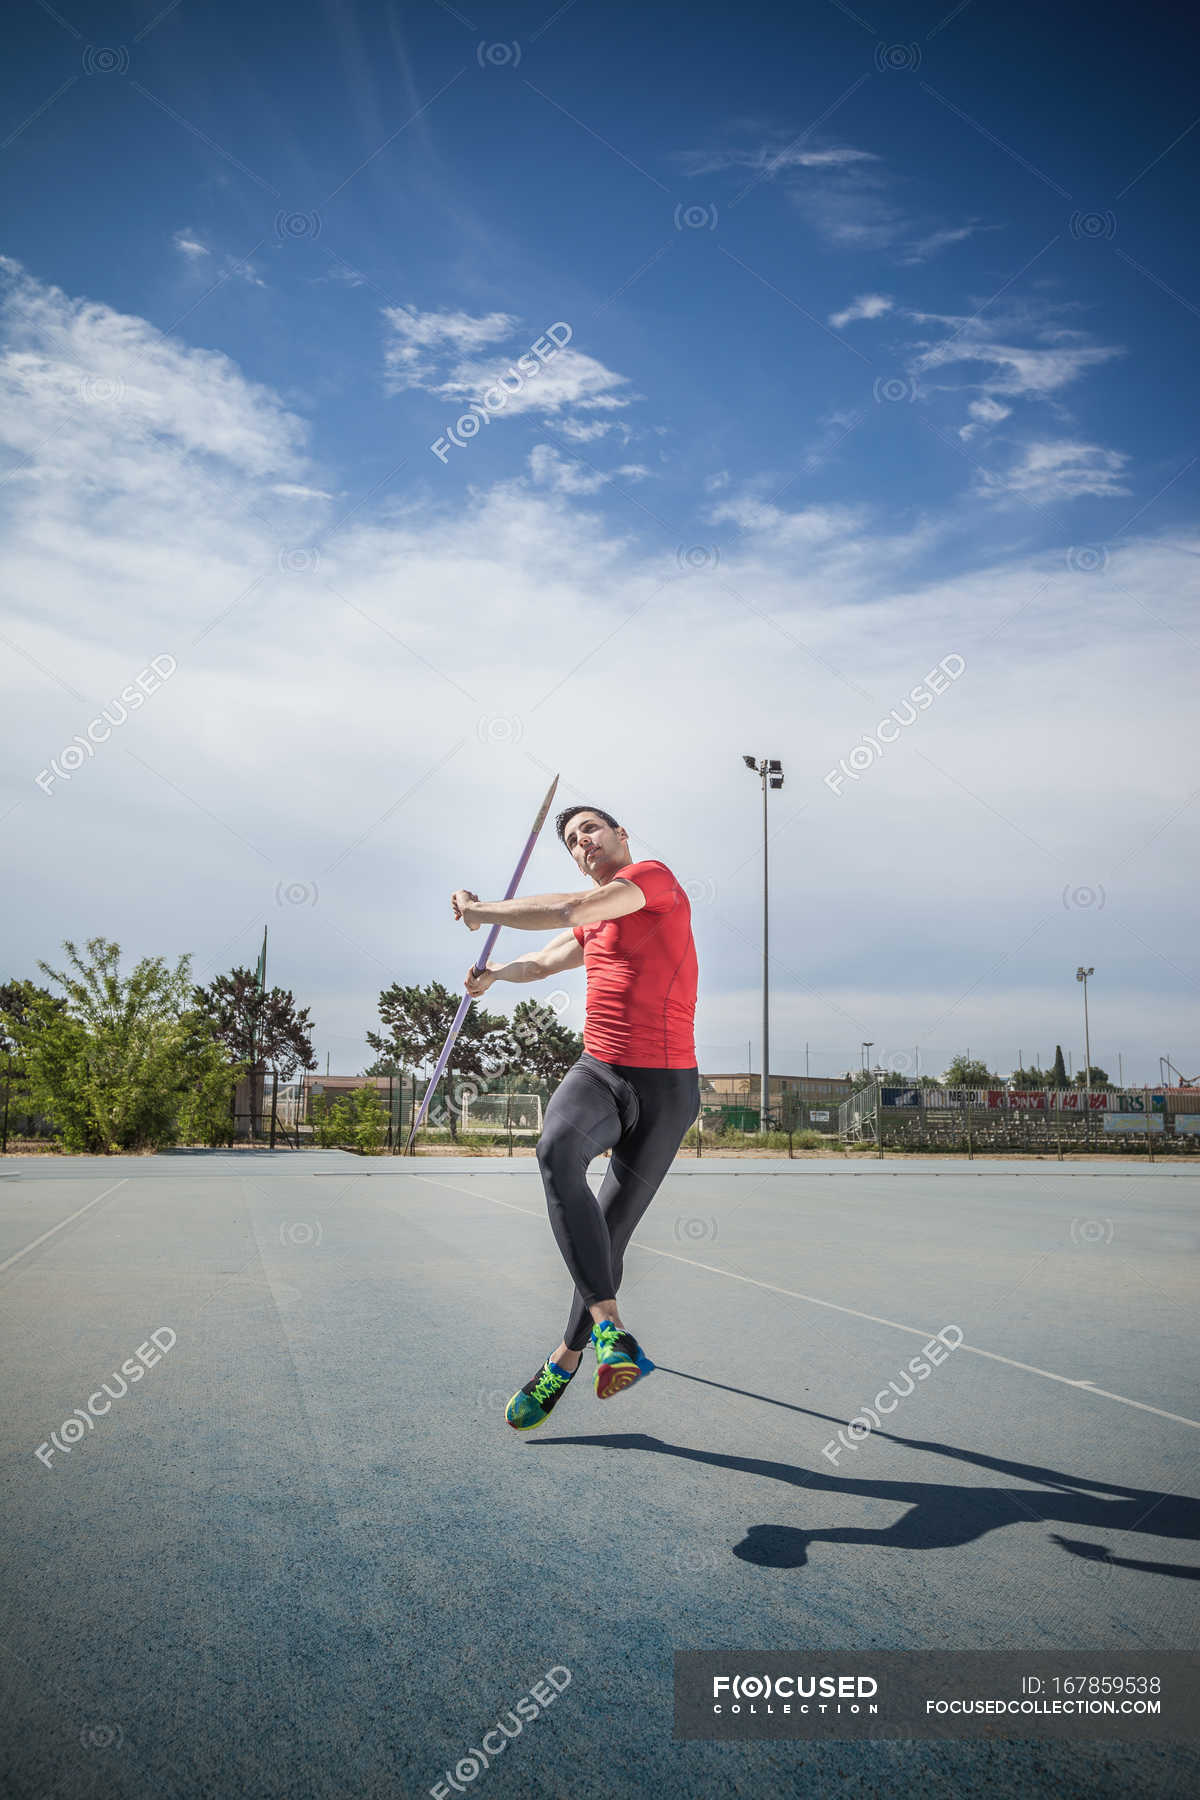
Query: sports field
{"x": 303, "y": 1554}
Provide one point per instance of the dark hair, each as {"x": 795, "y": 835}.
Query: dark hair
{"x": 560, "y": 824}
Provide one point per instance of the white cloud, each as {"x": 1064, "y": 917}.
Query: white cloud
{"x": 925, "y": 247}
{"x": 127, "y": 408}
{"x": 846, "y": 194}
{"x": 587, "y": 432}
{"x": 340, "y": 271}
{"x": 771, "y": 160}
{"x": 244, "y": 271}
{"x": 290, "y": 490}
{"x": 863, "y": 306}
{"x": 438, "y": 353}
{"x": 1013, "y": 369}
{"x": 563, "y": 475}
{"x": 810, "y": 525}
{"x": 851, "y": 210}
{"x": 570, "y": 379}
{"x": 420, "y": 338}
{"x": 983, "y": 412}
{"x": 1059, "y": 470}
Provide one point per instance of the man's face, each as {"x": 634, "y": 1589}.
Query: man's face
{"x": 598, "y": 849}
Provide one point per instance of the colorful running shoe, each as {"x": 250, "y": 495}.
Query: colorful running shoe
{"x": 620, "y": 1360}
{"x": 534, "y": 1403}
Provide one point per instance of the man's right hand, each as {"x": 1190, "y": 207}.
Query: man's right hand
{"x": 478, "y": 984}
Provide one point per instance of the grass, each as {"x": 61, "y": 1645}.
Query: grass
{"x": 762, "y": 1140}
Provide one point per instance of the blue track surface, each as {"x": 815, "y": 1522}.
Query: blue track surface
{"x": 305, "y": 1556}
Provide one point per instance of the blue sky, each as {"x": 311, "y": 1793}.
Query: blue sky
{"x": 876, "y": 340}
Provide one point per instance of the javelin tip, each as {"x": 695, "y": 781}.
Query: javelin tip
{"x": 545, "y": 806}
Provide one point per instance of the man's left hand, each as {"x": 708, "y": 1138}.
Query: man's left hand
{"x": 460, "y": 901}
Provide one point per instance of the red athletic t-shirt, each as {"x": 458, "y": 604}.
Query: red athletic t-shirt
{"x": 641, "y": 977}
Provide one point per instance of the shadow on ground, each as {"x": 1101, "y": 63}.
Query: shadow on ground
{"x": 941, "y": 1515}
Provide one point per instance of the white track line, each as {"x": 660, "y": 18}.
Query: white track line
{"x": 1085, "y": 1387}
{"x": 62, "y": 1223}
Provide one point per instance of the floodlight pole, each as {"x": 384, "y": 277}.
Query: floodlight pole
{"x": 765, "y": 1098}
{"x": 769, "y": 771}
{"x": 1081, "y": 974}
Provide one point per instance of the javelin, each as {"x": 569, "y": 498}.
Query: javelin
{"x": 480, "y": 966}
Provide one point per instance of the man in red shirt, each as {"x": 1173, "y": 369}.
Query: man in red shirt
{"x": 634, "y": 1091}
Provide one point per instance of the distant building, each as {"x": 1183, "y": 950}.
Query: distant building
{"x": 746, "y": 1090}
{"x": 792, "y": 1098}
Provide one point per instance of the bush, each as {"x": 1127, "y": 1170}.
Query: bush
{"x": 356, "y": 1119}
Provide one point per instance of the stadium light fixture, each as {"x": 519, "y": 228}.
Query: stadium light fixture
{"x": 750, "y": 763}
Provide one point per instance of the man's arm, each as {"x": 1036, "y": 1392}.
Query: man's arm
{"x": 562, "y": 952}
{"x": 542, "y": 912}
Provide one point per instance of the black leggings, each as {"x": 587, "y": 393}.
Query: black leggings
{"x": 641, "y": 1115}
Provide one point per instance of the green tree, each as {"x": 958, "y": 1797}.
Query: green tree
{"x": 969, "y": 1072}
{"x": 1058, "y": 1074}
{"x": 1030, "y": 1078}
{"x": 370, "y": 1119}
{"x": 18, "y": 1002}
{"x": 260, "y": 1027}
{"x": 1099, "y": 1079}
{"x": 117, "y": 1061}
{"x": 320, "y": 1112}
{"x": 335, "y": 1118}
{"x": 537, "y": 1046}
{"x": 861, "y": 1078}
{"x": 418, "y": 1021}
